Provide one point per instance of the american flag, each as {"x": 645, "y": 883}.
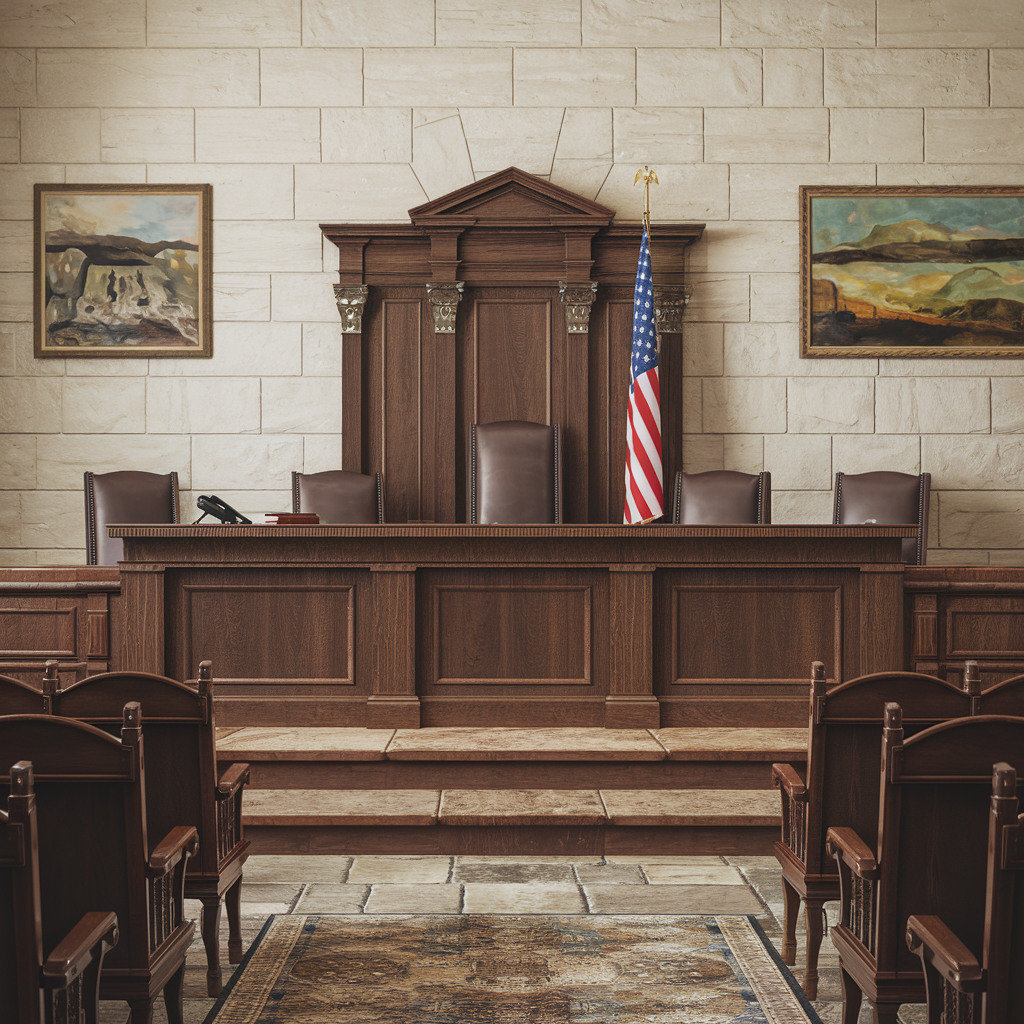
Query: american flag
{"x": 644, "y": 488}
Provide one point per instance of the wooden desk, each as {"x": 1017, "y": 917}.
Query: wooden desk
{"x": 397, "y": 626}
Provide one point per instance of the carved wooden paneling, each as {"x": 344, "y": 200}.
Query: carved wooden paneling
{"x": 712, "y": 626}
{"x": 38, "y": 628}
{"x": 985, "y": 627}
{"x": 504, "y": 630}
{"x": 268, "y": 633}
{"x": 511, "y": 359}
{"x": 527, "y": 635}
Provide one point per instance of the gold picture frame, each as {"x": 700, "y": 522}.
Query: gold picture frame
{"x": 911, "y": 271}
{"x": 123, "y": 271}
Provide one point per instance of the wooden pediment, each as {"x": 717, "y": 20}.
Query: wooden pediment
{"x": 512, "y": 198}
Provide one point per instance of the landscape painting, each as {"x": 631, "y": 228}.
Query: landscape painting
{"x": 914, "y": 271}
{"x": 123, "y": 270}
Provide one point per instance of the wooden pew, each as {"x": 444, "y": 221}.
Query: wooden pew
{"x": 987, "y": 988}
{"x": 18, "y": 698}
{"x": 841, "y": 788}
{"x": 930, "y": 858}
{"x": 63, "y": 988}
{"x": 182, "y": 786}
{"x": 93, "y": 851}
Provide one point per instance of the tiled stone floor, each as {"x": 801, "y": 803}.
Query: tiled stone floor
{"x": 500, "y": 885}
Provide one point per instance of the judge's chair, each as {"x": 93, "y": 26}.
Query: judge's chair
{"x": 338, "y": 496}
{"x": 124, "y": 497}
{"x": 886, "y": 498}
{"x": 515, "y": 472}
{"x": 721, "y": 496}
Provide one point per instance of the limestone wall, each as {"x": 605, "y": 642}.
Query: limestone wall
{"x": 300, "y": 111}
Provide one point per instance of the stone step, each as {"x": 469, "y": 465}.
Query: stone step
{"x": 471, "y": 758}
{"x": 693, "y": 808}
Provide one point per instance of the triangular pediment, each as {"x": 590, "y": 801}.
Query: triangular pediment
{"x": 512, "y": 197}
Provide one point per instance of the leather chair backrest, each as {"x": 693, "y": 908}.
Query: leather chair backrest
{"x": 339, "y": 496}
{"x": 886, "y": 498}
{"x": 722, "y": 496}
{"x": 515, "y": 473}
{"x": 128, "y": 496}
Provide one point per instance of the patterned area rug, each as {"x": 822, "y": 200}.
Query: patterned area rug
{"x": 440, "y": 969}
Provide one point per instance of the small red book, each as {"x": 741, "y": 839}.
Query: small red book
{"x": 292, "y": 519}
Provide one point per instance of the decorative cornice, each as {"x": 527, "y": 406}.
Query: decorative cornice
{"x": 577, "y": 299}
{"x": 669, "y": 307}
{"x": 444, "y": 301}
{"x": 351, "y": 301}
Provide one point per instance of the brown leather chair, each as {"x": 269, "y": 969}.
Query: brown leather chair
{"x": 886, "y": 498}
{"x": 515, "y": 472}
{"x": 338, "y": 496}
{"x": 124, "y": 497}
{"x": 721, "y": 496}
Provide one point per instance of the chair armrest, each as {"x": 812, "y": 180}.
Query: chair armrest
{"x": 180, "y": 842}
{"x": 845, "y": 844}
{"x": 784, "y": 776}
{"x": 233, "y": 779}
{"x": 78, "y": 948}
{"x": 940, "y": 949}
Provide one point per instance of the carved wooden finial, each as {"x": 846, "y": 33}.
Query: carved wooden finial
{"x": 818, "y": 671}
{"x": 132, "y": 716}
{"x": 51, "y": 677}
{"x": 205, "y": 673}
{"x": 893, "y": 717}
{"x": 22, "y": 779}
{"x": 972, "y": 678}
{"x": 1004, "y": 780}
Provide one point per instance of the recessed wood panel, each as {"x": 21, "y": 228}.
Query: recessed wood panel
{"x": 614, "y": 320}
{"x": 400, "y": 408}
{"x": 754, "y": 632}
{"x": 527, "y": 634}
{"x": 279, "y": 634}
{"x": 985, "y": 627}
{"x": 29, "y": 629}
{"x": 512, "y": 359}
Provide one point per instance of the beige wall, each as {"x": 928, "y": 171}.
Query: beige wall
{"x": 300, "y": 111}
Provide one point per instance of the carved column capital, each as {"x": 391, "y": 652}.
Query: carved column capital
{"x": 351, "y": 300}
{"x": 669, "y": 306}
{"x": 577, "y": 299}
{"x": 444, "y": 301}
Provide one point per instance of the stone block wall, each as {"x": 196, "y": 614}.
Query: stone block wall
{"x": 302, "y": 111}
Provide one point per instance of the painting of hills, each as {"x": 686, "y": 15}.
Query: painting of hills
{"x": 926, "y": 274}
{"x": 122, "y": 272}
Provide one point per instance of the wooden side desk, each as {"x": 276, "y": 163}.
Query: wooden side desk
{"x": 590, "y": 625}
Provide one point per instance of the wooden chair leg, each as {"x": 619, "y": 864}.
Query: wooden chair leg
{"x": 886, "y": 1013}
{"x": 791, "y": 900}
{"x": 210, "y": 926}
{"x": 174, "y": 993}
{"x": 142, "y": 1011}
{"x": 852, "y": 998}
{"x": 232, "y": 903}
{"x": 815, "y": 911}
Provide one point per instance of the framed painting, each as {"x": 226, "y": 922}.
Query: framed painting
{"x": 123, "y": 270}
{"x": 911, "y": 271}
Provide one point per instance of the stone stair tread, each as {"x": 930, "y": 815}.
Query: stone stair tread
{"x": 721, "y": 744}
{"x": 504, "y": 807}
{"x": 521, "y": 807}
{"x": 340, "y": 807}
{"x": 264, "y": 744}
{"x": 555, "y": 744}
{"x": 258, "y": 743}
{"x": 693, "y": 807}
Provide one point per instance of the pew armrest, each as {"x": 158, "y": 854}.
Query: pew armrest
{"x": 784, "y": 776}
{"x": 844, "y": 844}
{"x": 181, "y": 842}
{"x": 86, "y": 942}
{"x": 232, "y": 780}
{"x": 943, "y": 956}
